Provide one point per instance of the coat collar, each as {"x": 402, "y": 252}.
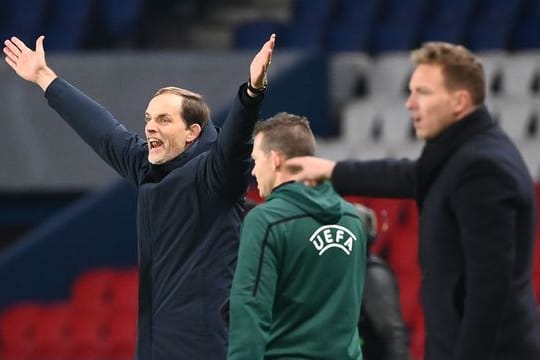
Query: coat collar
{"x": 437, "y": 151}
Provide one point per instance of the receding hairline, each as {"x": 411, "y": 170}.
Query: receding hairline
{"x": 178, "y": 91}
{"x": 193, "y": 107}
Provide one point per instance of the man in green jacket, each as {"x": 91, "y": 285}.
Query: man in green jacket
{"x": 297, "y": 288}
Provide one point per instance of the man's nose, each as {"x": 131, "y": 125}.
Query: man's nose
{"x": 149, "y": 127}
{"x": 409, "y": 104}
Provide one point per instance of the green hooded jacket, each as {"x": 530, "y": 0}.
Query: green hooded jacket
{"x": 297, "y": 289}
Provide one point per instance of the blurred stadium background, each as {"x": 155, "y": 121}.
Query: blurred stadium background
{"x": 67, "y": 228}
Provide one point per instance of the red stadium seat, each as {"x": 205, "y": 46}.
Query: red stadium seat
{"x": 52, "y": 335}
{"x": 88, "y": 335}
{"x": 125, "y": 291}
{"x": 92, "y": 291}
{"x": 121, "y": 341}
{"x": 253, "y": 194}
{"x": 17, "y": 330}
{"x": 417, "y": 336}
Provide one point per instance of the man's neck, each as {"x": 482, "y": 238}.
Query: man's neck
{"x": 282, "y": 178}
{"x": 466, "y": 112}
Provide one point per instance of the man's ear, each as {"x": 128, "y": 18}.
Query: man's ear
{"x": 194, "y": 130}
{"x": 462, "y": 101}
{"x": 276, "y": 159}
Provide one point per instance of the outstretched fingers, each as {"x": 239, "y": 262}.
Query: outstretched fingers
{"x": 261, "y": 62}
{"x": 269, "y": 47}
{"x": 17, "y": 42}
{"x": 310, "y": 168}
{"x": 14, "y": 48}
{"x": 268, "y": 50}
{"x": 11, "y": 52}
{"x": 10, "y": 62}
{"x": 29, "y": 64}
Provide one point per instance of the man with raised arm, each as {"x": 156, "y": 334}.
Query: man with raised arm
{"x": 190, "y": 182}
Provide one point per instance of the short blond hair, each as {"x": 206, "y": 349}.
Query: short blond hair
{"x": 460, "y": 68}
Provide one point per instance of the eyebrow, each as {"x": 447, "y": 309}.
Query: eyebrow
{"x": 418, "y": 87}
{"x": 158, "y": 116}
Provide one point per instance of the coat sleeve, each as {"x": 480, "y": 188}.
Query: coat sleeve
{"x": 484, "y": 203}
{"x": 379, "y": 178}
{"x": 253, "y": 290}
{"x": 121, "y": 149}
{"x": 228, "y": 164}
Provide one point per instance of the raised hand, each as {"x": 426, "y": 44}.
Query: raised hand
{"x": 27, "y": 63}
{"x": 260, "y": 63}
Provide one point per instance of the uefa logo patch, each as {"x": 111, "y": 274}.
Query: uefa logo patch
{"x": 332, "y": 236}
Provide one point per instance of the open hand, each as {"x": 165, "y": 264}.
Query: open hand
{"x": 27, "y": 63}
{"x": 260, "y": 63}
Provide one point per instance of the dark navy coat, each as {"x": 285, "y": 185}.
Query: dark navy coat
{"x": 477, "y": 225}
{"x": 188, "y": 221}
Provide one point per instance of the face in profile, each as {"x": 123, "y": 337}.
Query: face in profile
{"x": 166, "y": 132}
{"x": 431, "y": 104}
{"x": 263, "y": 169}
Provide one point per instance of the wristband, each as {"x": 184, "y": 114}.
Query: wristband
{"x": 257, "y": 91}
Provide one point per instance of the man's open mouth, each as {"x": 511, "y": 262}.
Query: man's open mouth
{"x": 154, "y": 143}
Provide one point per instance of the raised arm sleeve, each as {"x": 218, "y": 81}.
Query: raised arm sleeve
{"x": 121, "y": 149}
{"x": 228, "y": 165}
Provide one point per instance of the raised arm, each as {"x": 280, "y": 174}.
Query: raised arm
{"x": 227, "y": 168}
{"x": 121, "y": 149}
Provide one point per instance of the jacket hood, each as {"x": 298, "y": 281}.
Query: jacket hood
{"x": 318, "y": 201}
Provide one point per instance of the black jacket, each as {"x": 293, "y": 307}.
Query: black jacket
{"x": 381, "y": 326}
{"x": 477, "y": 222}
{"x": 188, "y": 221}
